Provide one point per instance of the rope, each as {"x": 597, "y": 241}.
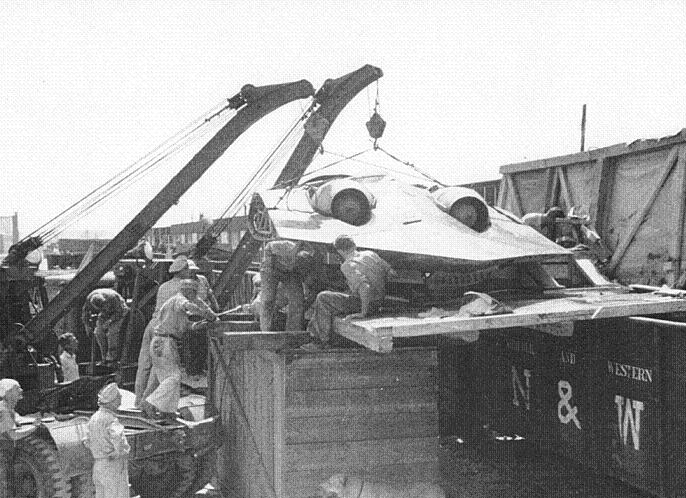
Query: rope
{"x": 287, "y": 143}
{"x": 123, "y": 184}
{"x": 156, "y": 155}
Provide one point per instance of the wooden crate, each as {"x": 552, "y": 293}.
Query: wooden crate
{"x": 290, "y": 419}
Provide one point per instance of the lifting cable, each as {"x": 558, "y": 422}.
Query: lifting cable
{"x": 282, "y": 149}
{"x": 123, "y": 185}
{"x": 129, "y": 175}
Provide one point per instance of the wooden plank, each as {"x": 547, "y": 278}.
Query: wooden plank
{"x": 500, "y": 202}
{"x": 677, "y": 245}
{"x": 564, "y": 187}
{"x": 623, "y": 245}
{"x": 381, "y": 342}
{"x": 410, "y": 357}
{"x": 279, "y": 393}
{"x": 516, "y": 206}
{"x": 588, "y": 306}
{"x": 360, "y": 454}
{"x": 359, "y": 401}
{"x": 360, "y": 376}
{"x": 339, "y": 428}
{"x": 593, "y": 155}
{"x": 305, "y": 483}
{"x": 600, "y": 191}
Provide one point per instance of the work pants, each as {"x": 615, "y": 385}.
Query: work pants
{"x": 293, "y": 286}
{"x": 107, "y": 337}
{"x": 111, "y": 478}
{"x": 328, "y": 305}
{"x": 144, "y": 361}
{"x": 164, "y": 385}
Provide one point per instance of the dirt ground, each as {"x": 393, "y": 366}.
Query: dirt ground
{"x": 492, "y": 468}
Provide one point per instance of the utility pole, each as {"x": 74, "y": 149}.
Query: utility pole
{"x": 583, "y": 127}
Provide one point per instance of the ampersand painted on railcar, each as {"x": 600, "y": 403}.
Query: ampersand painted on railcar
{"x": 564, "y": 390}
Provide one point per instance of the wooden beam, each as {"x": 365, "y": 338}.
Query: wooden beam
{"x": 678, "y": 244}
{"x": 601, "y": 190}
{"x": 501, "y": 193}
{"x": 621, "y": 248}
{"x": 516, "y": 203}
{"x": 582, "y": 305}
{"x": 593, "y": 155}
{"x": 564, "y": 187}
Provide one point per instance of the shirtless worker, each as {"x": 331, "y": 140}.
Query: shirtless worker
{"x": 366, "y": 274}
{"x": 163, "y": 391}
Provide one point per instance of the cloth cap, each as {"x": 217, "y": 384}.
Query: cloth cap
{"x": 108, "y": 394}
{"x": 192, "y": 265}
{"x": 180, "y": 263}
{"x": 7, "y": 385}
{"x": 188, "y": 283}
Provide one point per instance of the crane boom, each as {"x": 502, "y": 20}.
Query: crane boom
{"x": 252, "y": 103}
{"x": 331, "y": 98}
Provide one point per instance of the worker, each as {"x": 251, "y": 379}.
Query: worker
{"x": 69, "y": 344}
{"x": 205, "y": 292}
{"x": 294, "y": 270}
{"x": 279, "y": 266}
{"x": 107, "y": 442}
{"x": 545, "y": 223}
{"x": 102, "y": 315}
{"x": 179, "y": 271}
{"x": 161, "y": 396}
{"x": 195, "y": 345}
{"x": 10, "y": 394}
{"x": 366, "y": 274}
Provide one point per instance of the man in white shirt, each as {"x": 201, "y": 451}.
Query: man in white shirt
{"x": 69, "y": 345}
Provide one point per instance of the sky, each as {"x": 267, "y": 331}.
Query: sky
{"x": 88, "y": 88}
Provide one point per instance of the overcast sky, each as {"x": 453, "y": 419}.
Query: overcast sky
{"x": 90, "y": 87}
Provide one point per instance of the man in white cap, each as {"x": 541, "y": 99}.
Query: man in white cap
{"x": 164, "y": 385}
{"x": 10, "y": 394}
{"x": 108, "y": 444}
{"x": 195, "y": 347}
{"x": 108, "y": 308}
{"x": 179, "y": 271}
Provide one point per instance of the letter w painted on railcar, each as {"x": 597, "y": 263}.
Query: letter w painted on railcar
{"x": 629, "y": 416}
{"x": 521, "y": 390}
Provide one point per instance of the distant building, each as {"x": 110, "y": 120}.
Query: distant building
{"x": 9, "y": 232}
{"x": 182, "y": 237}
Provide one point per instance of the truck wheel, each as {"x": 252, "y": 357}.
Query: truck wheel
{"x": 37, "y": 472}
{"x": 164, "y": 476}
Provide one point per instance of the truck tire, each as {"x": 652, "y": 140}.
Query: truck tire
{"x": 37, "y": 472}
{"x": 171, "y": 475}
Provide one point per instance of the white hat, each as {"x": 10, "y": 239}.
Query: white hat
{"x": 180, "y": 263}
{"x": 192, "y": 265}
{"x": 108, "y": 394}
{"x": 6, "y": 385}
